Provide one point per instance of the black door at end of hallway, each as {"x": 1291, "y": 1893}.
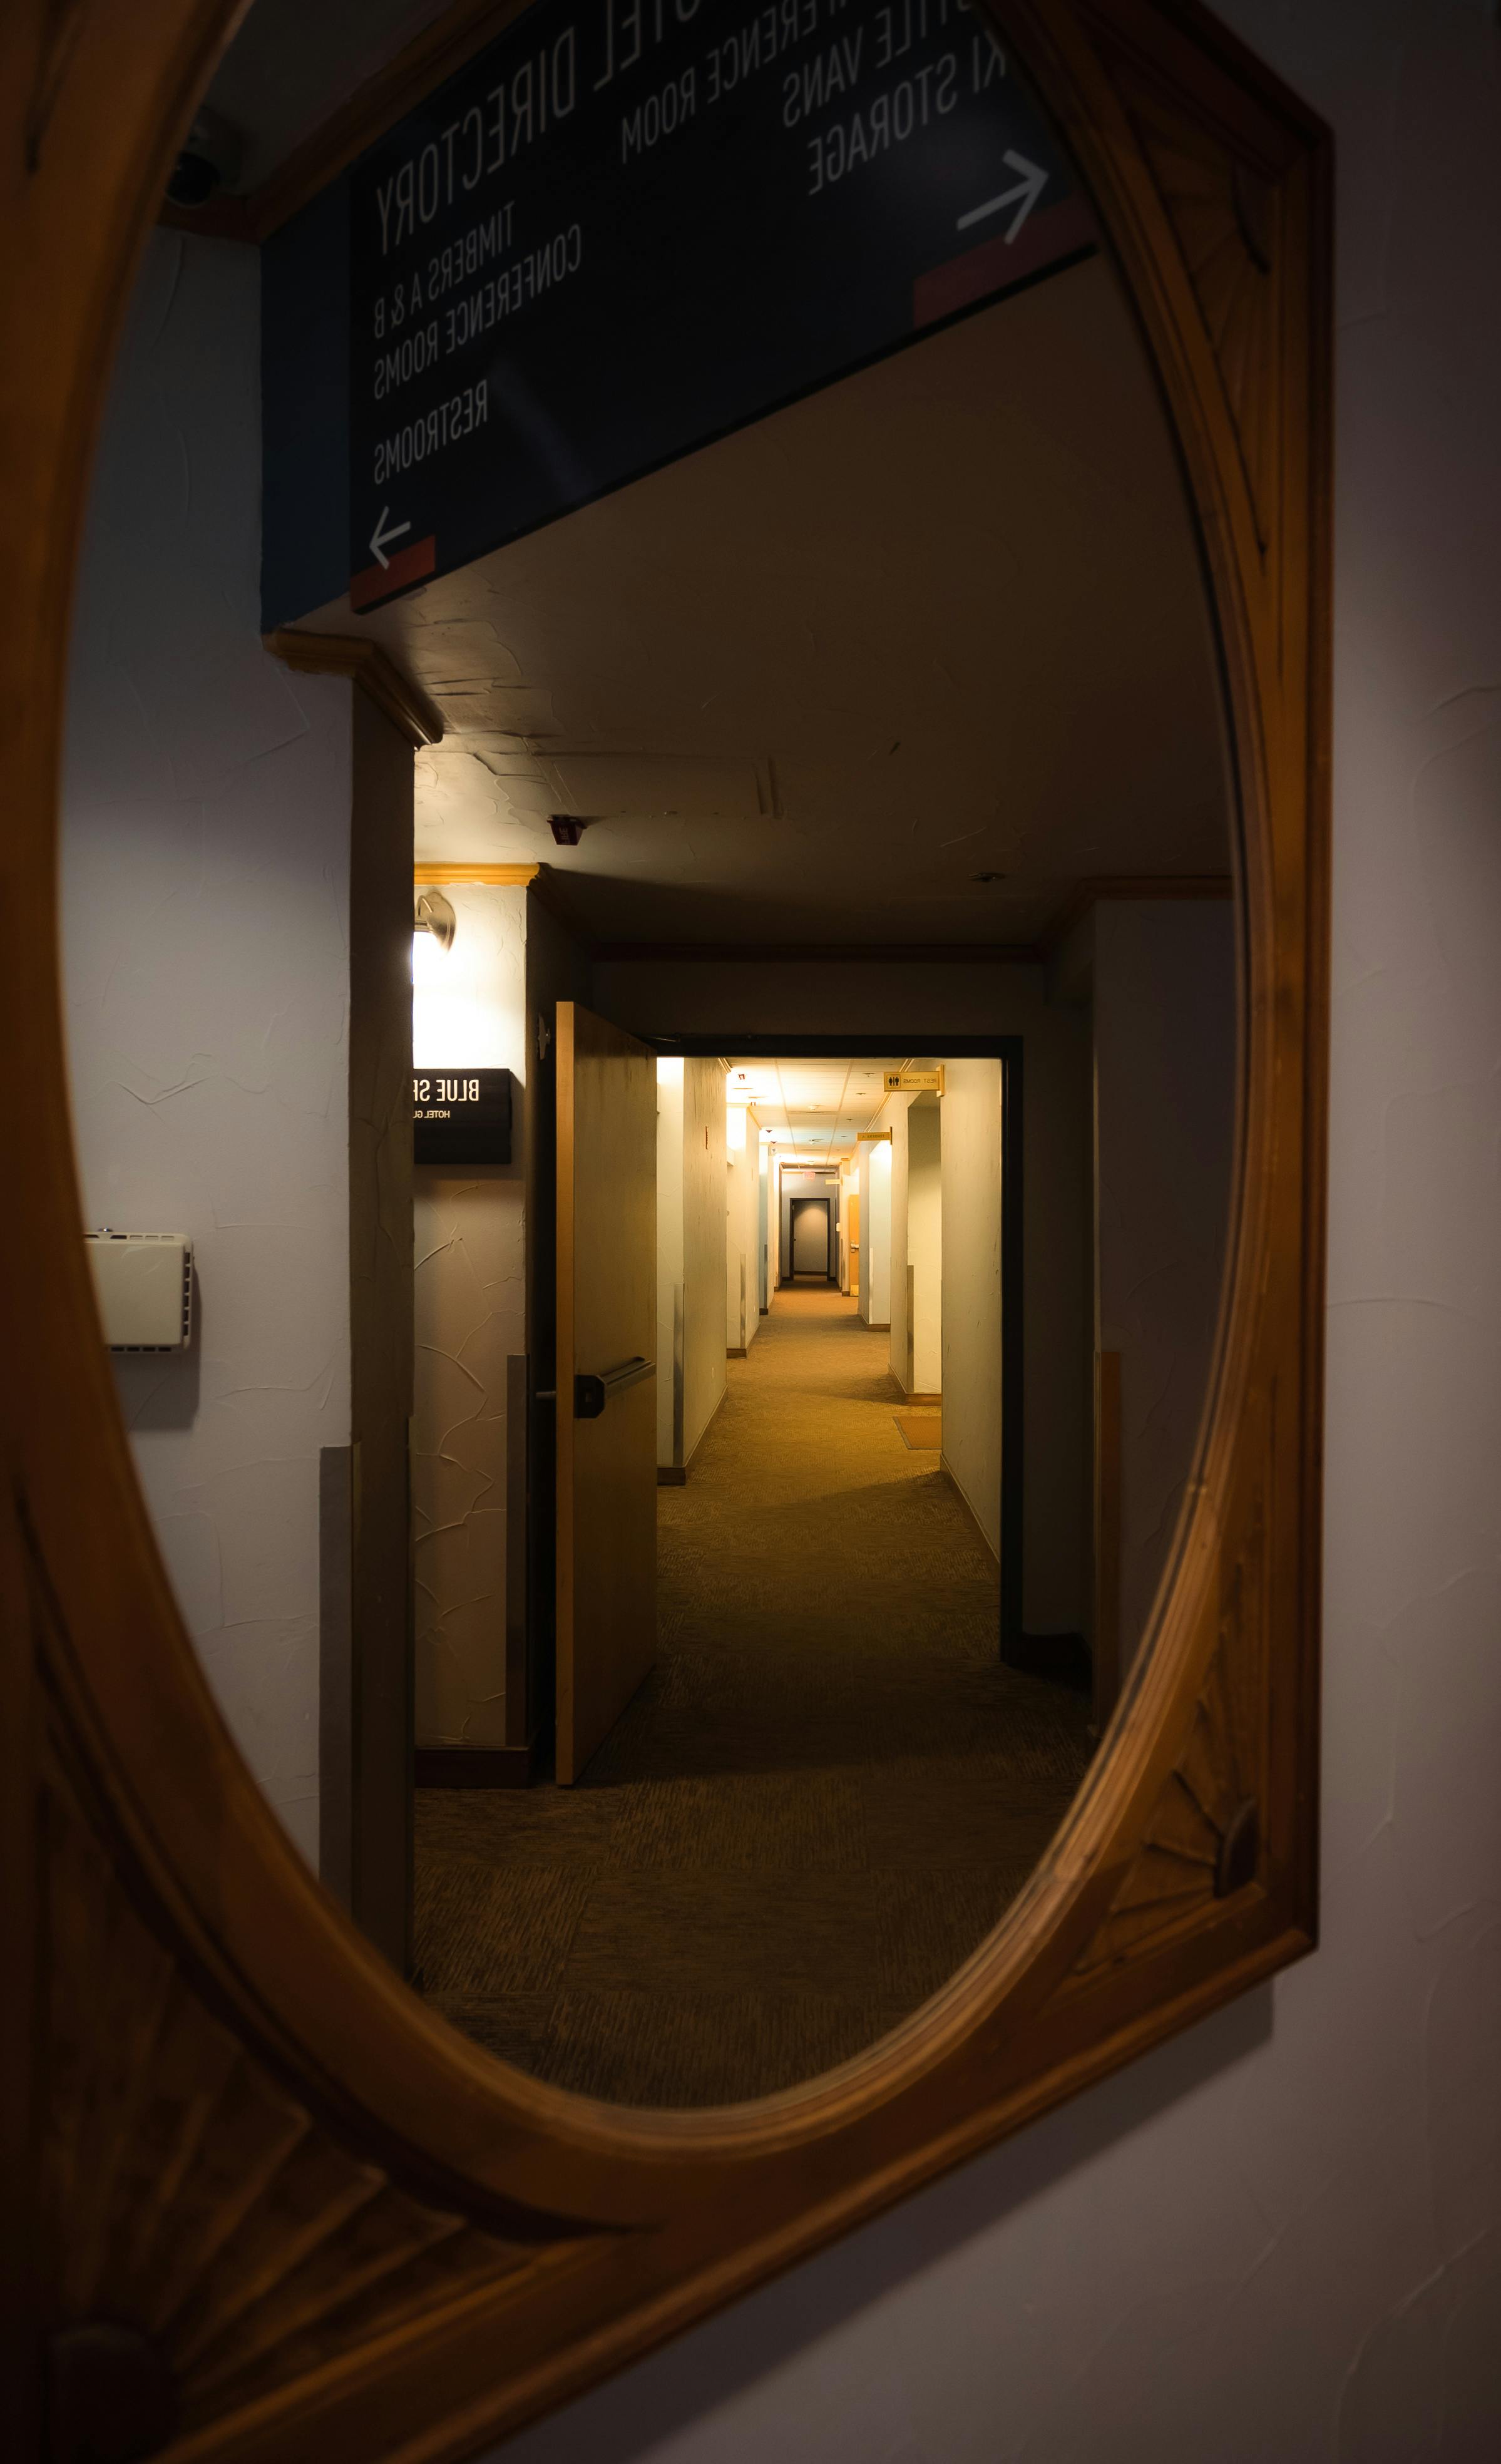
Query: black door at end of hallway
{"x": 810, "y": 1241}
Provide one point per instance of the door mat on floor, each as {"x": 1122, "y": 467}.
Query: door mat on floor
{"x": 920, "y": 1429}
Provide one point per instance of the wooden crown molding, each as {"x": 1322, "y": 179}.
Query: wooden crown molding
{"x": 366, "y": 664}
{"x": 494, "y": 876}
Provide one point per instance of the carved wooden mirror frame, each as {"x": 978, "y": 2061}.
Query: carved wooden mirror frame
{"x": 264, "y": 2204}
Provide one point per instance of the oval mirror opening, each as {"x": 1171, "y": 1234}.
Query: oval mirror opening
{"x": 652, "y": 1006}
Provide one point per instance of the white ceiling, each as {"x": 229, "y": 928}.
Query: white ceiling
{"x": 941, "y": 619}
{"x": 814, "y": 1109}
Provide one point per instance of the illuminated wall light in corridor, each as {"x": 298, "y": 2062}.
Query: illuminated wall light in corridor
{"x": 433, "y": 926}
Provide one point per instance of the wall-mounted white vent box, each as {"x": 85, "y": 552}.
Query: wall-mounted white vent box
{"x": 144, "y": 1282}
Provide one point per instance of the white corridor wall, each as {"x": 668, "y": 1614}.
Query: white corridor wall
{"x": 742, "y": 1227}
{"x": 971, "y": 1280}
{"x": 876, "y": 1231}
{"x": 924, "y": 1253}
{"x": 1278, "y": 2240}
{"x": 469, "y": 1298}
{"x": 1165, "y": 1123}
{"x": 204, "y": 902}
{"x": 704, "y": 1247}
{"x": 669, "y": 1330}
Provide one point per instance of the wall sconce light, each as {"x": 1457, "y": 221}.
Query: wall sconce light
{"x": 432, "y": 914}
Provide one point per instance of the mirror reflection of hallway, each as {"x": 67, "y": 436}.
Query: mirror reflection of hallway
{"x": 898, "y": 703}
{"x": 831, "y": 1785}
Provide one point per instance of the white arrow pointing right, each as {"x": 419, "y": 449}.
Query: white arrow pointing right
{"x": 1023, "y": 197}
{"x": 381, "y": 538}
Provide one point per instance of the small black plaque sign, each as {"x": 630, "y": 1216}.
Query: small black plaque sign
{"x": 461, "y": 1117}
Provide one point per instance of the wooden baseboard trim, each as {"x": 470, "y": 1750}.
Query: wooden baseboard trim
{"x": 672, "y": 1475}
{"x": 916, "y": 1399}
{"x": 879, "y": 1325}
{"x": 476, "y": 1765}
{"x": 736, "y": 1351}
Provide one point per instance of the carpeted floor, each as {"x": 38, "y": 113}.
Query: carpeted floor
{"x": 816, "y": 1807}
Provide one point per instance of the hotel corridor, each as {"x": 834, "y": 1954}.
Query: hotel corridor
{"x": 818, "y": 1804}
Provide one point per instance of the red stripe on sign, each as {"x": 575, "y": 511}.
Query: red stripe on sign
{"x": 1051, "y": 232}
{"x": 379, "y": 582}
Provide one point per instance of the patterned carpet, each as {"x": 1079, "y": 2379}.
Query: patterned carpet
{"x": 818, "y": 1804}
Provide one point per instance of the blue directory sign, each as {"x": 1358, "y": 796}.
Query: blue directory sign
{"x": 629, "y": 226}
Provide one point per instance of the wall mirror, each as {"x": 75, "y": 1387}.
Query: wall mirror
{"x": 691, "y": 960}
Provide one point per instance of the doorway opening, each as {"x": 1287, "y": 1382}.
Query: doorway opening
{"x": 812, "y": 1241}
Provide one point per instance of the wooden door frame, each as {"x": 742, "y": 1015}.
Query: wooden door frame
{"x": 406, "y": 2248}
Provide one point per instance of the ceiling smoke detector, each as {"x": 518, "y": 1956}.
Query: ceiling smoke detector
{"x": 209, "y": 161}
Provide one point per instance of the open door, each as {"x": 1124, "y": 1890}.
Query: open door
{"x": 607, "y": 1378}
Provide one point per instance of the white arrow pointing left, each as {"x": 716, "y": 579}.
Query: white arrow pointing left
{"x": 1023, "y": 197}
{"x": 381, "y": 538}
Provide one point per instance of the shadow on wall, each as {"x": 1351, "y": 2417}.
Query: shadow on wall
{"x": 160, "y": 1389}
{"x": 632, "y": 2415}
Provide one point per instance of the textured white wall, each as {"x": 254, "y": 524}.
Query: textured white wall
{"x": 669, "y": 1243}
{"x": 849, "y": 1187}
{"x": 742, "y": 1227}
{"x": 204, "y": 897}
{"x": 971, "y": 1274}
{"x": 704, "y": 1247}
{"x": 763, "y": 1216}
{"x": 1164, "y": 1115}
{"x": 893, "y": 1115}
{"x": 916, "y": 1240}
{"x": 924, "y": 1244}
{"x": 468, "y": 1006}
{"x": 1278, "y": 2241}
{"x": 875, "y": 1232}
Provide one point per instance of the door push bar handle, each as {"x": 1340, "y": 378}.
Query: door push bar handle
{"x": 590, "y": 1394}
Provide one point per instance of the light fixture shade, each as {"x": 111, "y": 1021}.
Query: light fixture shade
{"x": 432, "y": 914}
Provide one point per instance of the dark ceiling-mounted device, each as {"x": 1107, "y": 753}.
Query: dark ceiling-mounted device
{"x": 209, "y": 161}
{"x": 565, "y": 829}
